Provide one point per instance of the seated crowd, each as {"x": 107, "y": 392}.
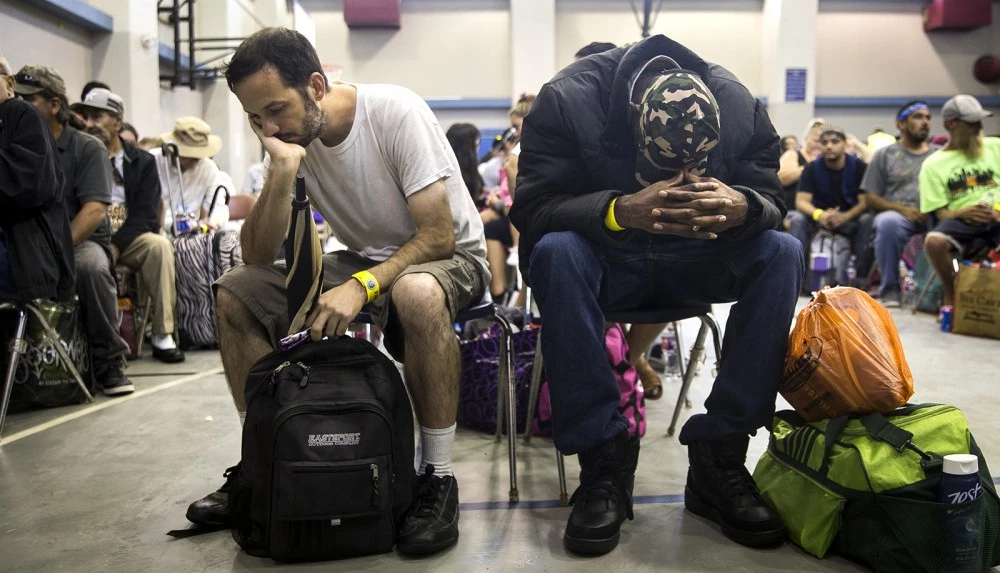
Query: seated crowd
{"x": 640, "y": 177}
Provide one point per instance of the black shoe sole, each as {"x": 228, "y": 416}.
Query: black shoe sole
{"x": 426, "y": 548}
{"x": 207, "y": 518}
{"x": 769, "y": 538}
{"x": 591, "y": 546}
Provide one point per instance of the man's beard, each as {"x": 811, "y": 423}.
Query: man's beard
{"x": 916, "y": 137}
{"x": 100, "y": 134}
{"x": 313, "y": 123}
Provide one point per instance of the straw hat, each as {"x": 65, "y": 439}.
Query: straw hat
{"x": 193, "y": 138}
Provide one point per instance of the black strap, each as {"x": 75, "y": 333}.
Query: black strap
{"x": 885, "y": 431}
{"x": 833, "y": 429}
{"x": 195, "y": 531}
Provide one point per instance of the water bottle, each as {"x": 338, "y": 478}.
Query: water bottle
{"x": 852, "y": 271}
{"x": 960, "y": 485}
{"x": 909, "y": 290}
{"x": 668, "y": 346}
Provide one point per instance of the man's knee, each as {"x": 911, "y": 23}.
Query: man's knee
{"x": 557, "y": 250}
{"x": 785, "y": 247}
{"x": 937, "y": 244}
{"x": 91, "y": 261}
{"x": 888, "y": 222}
{"x": 158, "y": 246}
{"x": 418, "y": 297}
{"x": 230, "y": 309}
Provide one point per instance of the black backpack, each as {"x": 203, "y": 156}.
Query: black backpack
{"x": 327, "y": 465}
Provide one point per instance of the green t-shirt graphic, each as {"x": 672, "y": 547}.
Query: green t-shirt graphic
{"x": 953, "y": 180}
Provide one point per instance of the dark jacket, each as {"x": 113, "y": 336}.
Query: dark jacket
{"x": 578, "y": 151}
{"x": 142, "y": 197}
{"x": 32, "y": 217}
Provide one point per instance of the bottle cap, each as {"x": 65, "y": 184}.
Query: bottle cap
{"x": 961, "y": 464}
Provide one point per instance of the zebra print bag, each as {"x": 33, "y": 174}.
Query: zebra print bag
{"x": 200, "y": 259}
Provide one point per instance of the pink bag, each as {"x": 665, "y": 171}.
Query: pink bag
{"x": 633, "y": 400}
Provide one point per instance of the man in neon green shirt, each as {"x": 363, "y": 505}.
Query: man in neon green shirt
{"x": 960, "y": 185}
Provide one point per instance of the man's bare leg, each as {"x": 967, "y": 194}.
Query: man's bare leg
{"x": 432, "y": 364}
{"x": 939, "y": 253}
{"x": 639, "y": 337}
{"x": 242, "y": 341}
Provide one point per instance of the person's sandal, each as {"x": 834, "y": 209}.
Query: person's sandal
{"x": 651, "y": 383}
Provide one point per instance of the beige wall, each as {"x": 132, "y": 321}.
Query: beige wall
{"x": 862, "y": 52}
{"x": 445, "y": 48}
{"x": 28, "y": 36}
{"x": 727, "y": 33}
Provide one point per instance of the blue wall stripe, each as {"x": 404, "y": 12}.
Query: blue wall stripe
{"x": 553, "y": 503}
{"x": 990, "y": 101}
{"x": 836, "y": 101}
{"x": 469, "y": 103}
{"x": 76, "y": 12}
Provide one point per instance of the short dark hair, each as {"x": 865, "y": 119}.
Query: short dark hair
{"x": 92, "y": 86}
{"x": 903, "y": 107}
{"x": 594, "y": 48}
{"x": 126, "y": 126}
{"x": 287, "y": 51}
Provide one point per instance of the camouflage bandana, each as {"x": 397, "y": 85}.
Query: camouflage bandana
{"x": 677, "y": 127}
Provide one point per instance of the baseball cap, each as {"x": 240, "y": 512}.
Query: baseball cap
{"x": 32, "y": 79}
{"x": 677, "y": 120}
{"x": 965, "y": 108}
{"x": 194, "y": 138}
{"x": 101, "y": 98}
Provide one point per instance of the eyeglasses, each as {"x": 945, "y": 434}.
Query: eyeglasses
{"x": 28, "y": 80}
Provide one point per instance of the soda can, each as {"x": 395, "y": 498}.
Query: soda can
{"x": 946, "y": 312}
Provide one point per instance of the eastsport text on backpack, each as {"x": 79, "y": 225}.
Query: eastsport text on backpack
{"x": 327, "y": 469}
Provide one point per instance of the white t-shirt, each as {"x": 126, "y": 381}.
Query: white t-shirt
{"x": 395, "y": 148}
{"x": 200, "y": 183}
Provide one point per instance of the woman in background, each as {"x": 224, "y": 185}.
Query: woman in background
{"x": 464, "y": 140}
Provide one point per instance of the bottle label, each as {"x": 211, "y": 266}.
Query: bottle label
{"x": 965, "y": 496}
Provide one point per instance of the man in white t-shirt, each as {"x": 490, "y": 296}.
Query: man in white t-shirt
{"x": 379, "y": 169}
{"x": 200, "y": 176}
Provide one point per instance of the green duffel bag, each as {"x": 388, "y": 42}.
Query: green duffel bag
{"x": 866, "y": 486}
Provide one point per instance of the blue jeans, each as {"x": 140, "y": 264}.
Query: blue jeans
{"x": 892, "y": 231}
{"x": 576, "y": 281}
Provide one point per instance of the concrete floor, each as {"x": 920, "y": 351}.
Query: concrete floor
{"x": 96, "y": 487}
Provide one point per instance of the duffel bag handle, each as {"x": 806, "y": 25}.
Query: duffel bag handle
{"x": 882, "y": 430}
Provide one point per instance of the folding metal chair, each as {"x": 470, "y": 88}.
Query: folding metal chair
{"x": 643, "y": 316}
{"x": 506, "y": 401}
{"x": 18, "y": 346}
{"x": 131, "y": 286}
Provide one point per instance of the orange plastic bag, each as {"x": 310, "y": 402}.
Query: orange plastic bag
{"x": 844, "y": 357}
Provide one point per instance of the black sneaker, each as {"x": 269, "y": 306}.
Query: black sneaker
{"x": 720, "y": 488}
{"x": 604, "y": 499}
{"x": 213, "y": 509}
{"x": 432, "y": 522}
{"x": 114, "y": 382}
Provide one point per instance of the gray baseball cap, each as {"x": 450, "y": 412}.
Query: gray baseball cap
{"x": 101, "y": 98}
{"x": 965, "y": 108}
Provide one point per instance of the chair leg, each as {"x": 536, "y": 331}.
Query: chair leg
{"x": 53, "y": 337}
{"x": 561, "y": 466}
{"x": 536, "y": 383}
{"x": 17, "y": 348}
{"x": 507, "y": 381}
{"x": 696, "y": 353}
{"x": 681, "y": 368}
{"x": 144, "y": 318}
{"x": 923, "y": 292}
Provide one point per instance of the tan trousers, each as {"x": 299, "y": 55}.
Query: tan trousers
{"x": 152, "y": 256}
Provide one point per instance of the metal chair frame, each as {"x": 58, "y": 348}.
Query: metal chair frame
{"x": 708, "y": 323}
{"x": 133, "y": 290}
{"x": 18, "y": 346}
{"x": 506, "y": 400}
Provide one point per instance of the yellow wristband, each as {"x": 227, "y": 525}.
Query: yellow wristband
{"x": 816, "y": 214}
{"x": 370, "y": 283}
{"x": 609, "y": 217}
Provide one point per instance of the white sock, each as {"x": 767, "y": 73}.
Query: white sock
{"x": 437, "y": 449}
{"x": 165, "y": 342}
{"x": 243, "y": 417}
